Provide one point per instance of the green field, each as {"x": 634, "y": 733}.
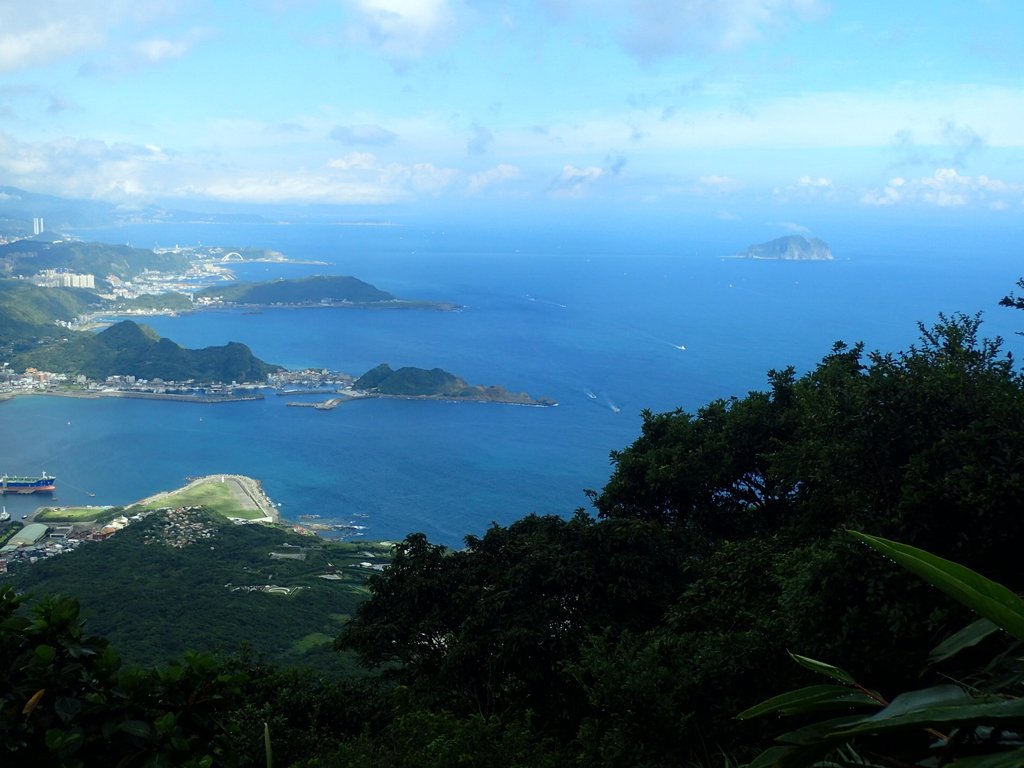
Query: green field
{"x": 76, "y": 514}
{"x": 216, "y": 497}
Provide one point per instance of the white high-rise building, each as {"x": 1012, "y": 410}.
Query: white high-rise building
{"x": 37, "y": 226}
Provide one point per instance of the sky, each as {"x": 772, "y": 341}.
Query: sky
{"x": 726, "y": 106}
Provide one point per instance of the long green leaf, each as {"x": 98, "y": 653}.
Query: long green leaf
{"x": 814, "y": 698}
{"x": 1008, "y": 713}
{"x": 967, "y": 637}
{"x": 991, "y": 600}
{"x": 824, "y": 669}
{"x": 820, "y": 733}
{"x": 915, "y": 701}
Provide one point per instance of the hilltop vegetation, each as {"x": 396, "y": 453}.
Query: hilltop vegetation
{"x": 435, "y": 382}
{"x": 305, "y": 290}
{"x": 128, "y": 348}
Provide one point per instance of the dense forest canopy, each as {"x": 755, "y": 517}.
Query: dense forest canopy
{"x": 634, "y": 636}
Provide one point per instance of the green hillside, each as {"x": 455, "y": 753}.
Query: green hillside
{"x": 305, "y": 290}
{"x": 128, "y": 348}
{"x": 27, "y": 257}
{"x": 200, "y": 594}
{"x": 435, "y": 382}
{"x": 28, "y": 312}
{"x": 410, "y": 381}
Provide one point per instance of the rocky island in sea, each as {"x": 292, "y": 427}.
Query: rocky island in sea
{"x": 790, "y": 248}
{"x": 435, "y": 383}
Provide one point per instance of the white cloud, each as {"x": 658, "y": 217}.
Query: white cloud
{"x": 792, "y": 226}
{"x": 496, "y": 175}
{"x": 363, "y": 133}
{"x": 159, "y": 50}
{"x": 83, "y": 168}
{"x": 822, "y": 120}
{"x": 131, "y": 173}
{"x": 23, "y": 45}
{"x": 362, "y": 161}
{"x": 805, "y": 188}
{"x": 819, "y": 183}
{"x": 573, "y": 181}
{"x": 403, "y": 30}
{"x": 45, "y": 31}
{"x": 660, "y": 29}
{"x": 892, "y": 193}
{"x": 718, "y": 183}
{"x": 356, "y": 179}
{"x": 277, "y": 188}
{"x": 422, "y": 177}
{"x": 945, "y": 188}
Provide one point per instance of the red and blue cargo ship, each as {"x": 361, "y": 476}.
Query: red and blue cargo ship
{"x": 17, "y": 484}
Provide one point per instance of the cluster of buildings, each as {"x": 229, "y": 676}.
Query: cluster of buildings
{"x": 34, "y": 381}
{"x": 62, "y": 278}
{"x": 180, "y": 527}
{"x": 311, "y": 378}
{"x": 149, "y": 282}
{"x": 38, "y": 541}
{"x": 272, "y": 589}
{"x": 29, "y": 381}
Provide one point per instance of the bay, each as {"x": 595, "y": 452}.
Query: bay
{"x": 592, "y": 319}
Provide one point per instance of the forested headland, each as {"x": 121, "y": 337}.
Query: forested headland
{"x": 627, "y": 635}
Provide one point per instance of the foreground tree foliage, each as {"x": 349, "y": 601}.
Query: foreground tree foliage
{"x": 634, "y": 637}
{"x": 976, "y": 725}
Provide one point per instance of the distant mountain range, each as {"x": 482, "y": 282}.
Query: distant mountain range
{"x": 18, "y": 207}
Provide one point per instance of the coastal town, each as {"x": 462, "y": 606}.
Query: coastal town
{"x": 307, "y": 381}
{"x": 183, "y": 520}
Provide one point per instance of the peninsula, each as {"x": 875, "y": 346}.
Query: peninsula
{"x": 790, "y": 248}
{"x": 313, "y": 291}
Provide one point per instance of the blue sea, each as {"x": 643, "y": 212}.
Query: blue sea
{"x": 592, "y": 318}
